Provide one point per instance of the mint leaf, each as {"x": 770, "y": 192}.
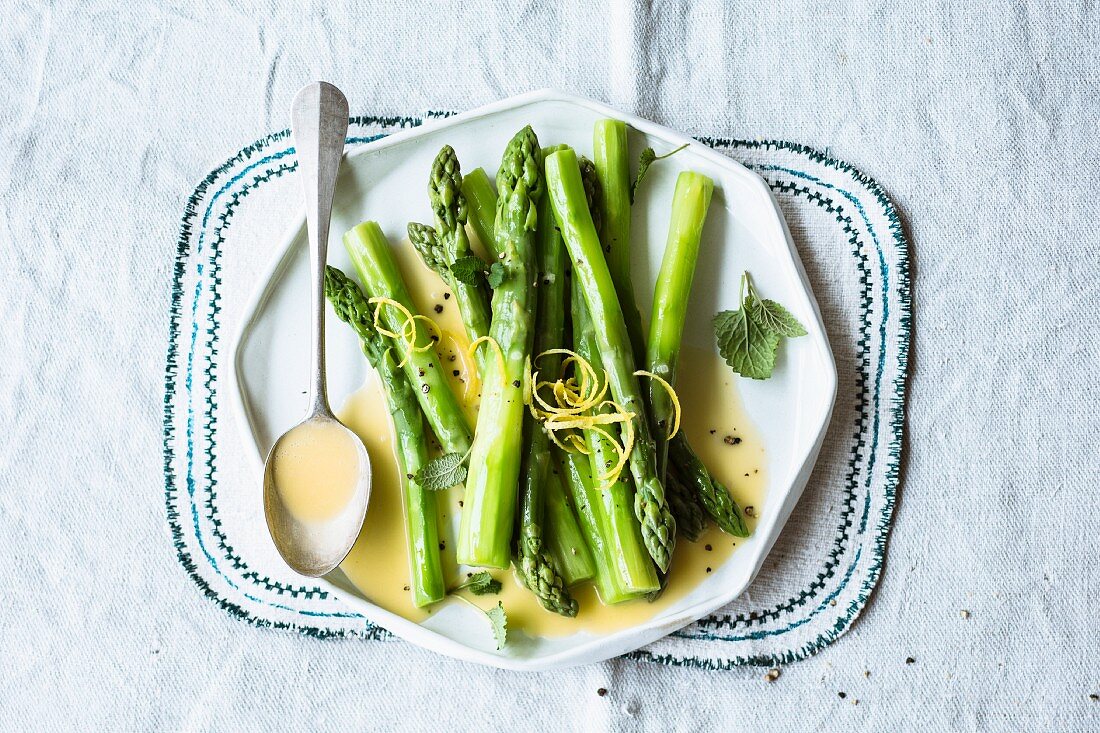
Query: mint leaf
{"x": 646, "y": 159}
{"x": 442, "y": 473}
{"x": 773, "y": 317}
{"x": 468, "y": 270}
{"x": 749, "y": 338}
{"x": 499, "y": 624}
{"x": 496, "y": 275}
{"x": 481, "y": 584}
{"x": 748, "y": 348}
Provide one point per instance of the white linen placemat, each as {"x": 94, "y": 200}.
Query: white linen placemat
{"x": 824, "y": 566}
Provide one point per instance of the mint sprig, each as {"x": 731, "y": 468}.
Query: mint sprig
{"x": 480, "y": 584}
{"x": 498, "y": 624}
{"x": 442, "y": 473}
{"x": 471, "y": 270}
{"x": 748, "y": 348}
{"x": 496, "y": 275}
{"x": 748, "y": 338}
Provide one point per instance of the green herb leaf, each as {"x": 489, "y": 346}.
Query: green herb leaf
{"x": 469, "y": 270}
{"x": 644, "y": 161}
{"x": 499, "y": 624}
{"x": 481, "y": 584}
{"x": 442, "y": 473}
{"x": 648, "y": 158}
{"x": 496, "y": 275}
{"x": 748, "y": 348}
{"x": 772, "y": 316}
{"x": 748, "y": 338}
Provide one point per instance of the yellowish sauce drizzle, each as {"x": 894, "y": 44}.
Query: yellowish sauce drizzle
{"x": 316, "y": 470}
{"x": 713, "y": 419}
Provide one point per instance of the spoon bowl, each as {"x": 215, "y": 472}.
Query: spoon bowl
{"x": 317, "y": 483}
{"x": 317, "y": 476}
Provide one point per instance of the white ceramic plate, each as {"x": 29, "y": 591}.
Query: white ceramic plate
{"x": 385, "y": 181}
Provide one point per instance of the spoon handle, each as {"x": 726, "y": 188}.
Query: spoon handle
{"x": 319, "y": 123}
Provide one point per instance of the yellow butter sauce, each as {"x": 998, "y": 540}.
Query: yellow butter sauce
{"x": 316, "y": 470}
{"x": 713, "y": 419}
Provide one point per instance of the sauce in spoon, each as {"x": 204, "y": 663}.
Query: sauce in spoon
{"x": 316, "y": 470}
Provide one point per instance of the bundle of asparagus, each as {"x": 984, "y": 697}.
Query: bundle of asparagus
{"x": 581, "y": 476}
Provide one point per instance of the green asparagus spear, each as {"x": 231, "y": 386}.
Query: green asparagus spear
{"x": 537, "y": 566}
{"x": 563, "y": 181}
{"x": 449, "y": 207}
{"x": 629, "y": 561}
{"x": 690, "y": 520}
{"x": 713, "y": 496}
{"x": 421, "y": 518}
{"x": 670, "y": 299}
{"x": 485, "y": 529}
{"x": 481, "y": 197}
{"x": 605, "y": 514}
{"x": 374, "y": 263}
{"x": 611, "y": 153}
{"x": 447, "y": 243}
{"x": 565, "y": 539}
{"x": 426, "y": 243}
{"x": 612, "y": 159}
{"x": 576, "y": 471}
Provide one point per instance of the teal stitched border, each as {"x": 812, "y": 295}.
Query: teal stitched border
{"x": 372, "y": 632}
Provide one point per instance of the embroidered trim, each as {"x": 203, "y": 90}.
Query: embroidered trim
{"x": 713, "y": 622}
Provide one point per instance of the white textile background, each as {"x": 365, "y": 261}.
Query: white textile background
{"x": 981, "y": 124}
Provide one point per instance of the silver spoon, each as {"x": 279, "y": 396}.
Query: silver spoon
{"x": 319, "y": 123}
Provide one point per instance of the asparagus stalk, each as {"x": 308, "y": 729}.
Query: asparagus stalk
{"x": 563, "y": 181}
{"x": 485, "y": 529}
{"x": 565, "y": 539}
{"x": 689, "y": 209}
{"x": 611, "y": 154}
{"x": 690, "y": 520}
{"x": 419, "y": 505}
{"x": 534, "y": 561}
{"x": 670, "y": 299}
{"x": 537, "y": 566}
{"x": 587, "y": 498}
{"x": 374, "y": 263}
{"x": 449, "y": 243}
{"x": 597, "y": 521}
{"x": 613, "y": 506}
{"x": 612, "y": 160}
{"x": 713, "y": 496}
{"x": 482, "y": 200}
